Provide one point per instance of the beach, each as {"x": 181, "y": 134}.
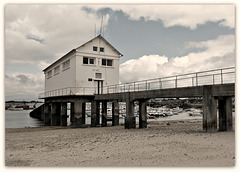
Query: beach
{"x": 180, "y": 143}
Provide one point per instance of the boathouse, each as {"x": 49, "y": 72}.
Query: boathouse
{"x": 91, "y": 66}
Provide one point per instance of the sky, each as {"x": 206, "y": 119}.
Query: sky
{"x": 155, "y": 40}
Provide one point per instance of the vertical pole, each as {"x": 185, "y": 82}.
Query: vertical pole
{"x": 176, "y": 82}
{"x": 115, "y": 113}
{"x": 209, "y": 110}
{"x": 229, "y": 113}
{"x": 142, "y": 114}
{"x": 104, "y": 113}
{"x": 63, "y": 121}
{"x": 130, "y": 121}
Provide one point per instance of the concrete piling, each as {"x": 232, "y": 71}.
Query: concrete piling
{"x": 130, "y": 120}
{"x": 63, "y": 121}
{"x": 225, "y": 113}
{"x": 104, "y": 114}
{"x": 78, "y": 113}
{"x": 142, "y": 114}
{"x": 209, "y": 110}
{"x": 47, "y": 119}
{"x": 115, "y": 113}
{"x": 55, "y": 114}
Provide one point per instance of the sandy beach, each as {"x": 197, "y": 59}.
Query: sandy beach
{"x": 162, "y": 144}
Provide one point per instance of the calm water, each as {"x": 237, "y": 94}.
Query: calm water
{"x": 20, "y": 119}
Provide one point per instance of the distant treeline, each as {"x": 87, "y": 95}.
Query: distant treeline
{"x": 13, "y": 101}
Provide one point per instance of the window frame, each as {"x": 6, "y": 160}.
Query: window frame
{"x": 66, "y": 65}
{"x": 101, "y": 49}
{"x": 95, "y": 48}
{"x": 106, "y": 64}
{"x": 57, "y": 70}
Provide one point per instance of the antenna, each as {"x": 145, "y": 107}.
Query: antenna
{"x": 101, "y": 26}
{"x": 94, "y": 30}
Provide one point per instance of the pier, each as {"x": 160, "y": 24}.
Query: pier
{"x": 215, "y": 87}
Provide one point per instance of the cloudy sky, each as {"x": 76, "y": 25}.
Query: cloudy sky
{"x": 155, "y": 40}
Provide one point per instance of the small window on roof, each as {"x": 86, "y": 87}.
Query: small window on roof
{"x": 95, "y": 48}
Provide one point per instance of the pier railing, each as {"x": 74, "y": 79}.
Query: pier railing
{"x": 68, "y": 91}
{"x": 210, "y": 77}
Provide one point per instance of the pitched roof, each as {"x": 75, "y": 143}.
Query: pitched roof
{"x": 74, "y": 50}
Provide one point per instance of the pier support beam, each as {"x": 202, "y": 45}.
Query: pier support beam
{"x": 104, "y": 114}
{"x": 130, "y": 120}
{"x": 209, "y": 110}
{"x": 95, "y": 113}
{"x": 142, "y": 114}
{"x": 63, "y": 121}
{"x": 55, "y": 114}
{"x": 78, "y": 113}
{"x": 225, "y": 113}
{"x": 47, "y": 119}
{"x": 115, "y": 113}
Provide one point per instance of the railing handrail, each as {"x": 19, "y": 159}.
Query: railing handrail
{"x": 173, "y": 76}
{"x": 145, "y": 83}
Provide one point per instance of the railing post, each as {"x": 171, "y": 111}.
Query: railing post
{"x": 124, "y": 88}
{"x": 160, "y": 83}
{"x": 192, "y": 81}
{"x": 146, "y": 85}
{"x": 134, "y": 86}
{"x": 213, "y": 79}
{"x": 221, "y": 77}
{"x": 176, "y": 82}
{"x": 196, "y": 80}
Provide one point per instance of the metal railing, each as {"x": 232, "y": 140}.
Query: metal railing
{"x": 68, "y": 91}
{"x": 210, "y": 77}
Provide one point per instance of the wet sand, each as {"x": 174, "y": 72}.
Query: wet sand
{"x": 162, "y": 144}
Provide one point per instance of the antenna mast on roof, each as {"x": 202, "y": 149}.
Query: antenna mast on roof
{"x": 101, "y": 26}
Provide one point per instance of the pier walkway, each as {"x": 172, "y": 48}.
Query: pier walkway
{"x": 215, "y": 87}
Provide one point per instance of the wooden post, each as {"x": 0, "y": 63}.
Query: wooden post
{"x": 225, "y": 113}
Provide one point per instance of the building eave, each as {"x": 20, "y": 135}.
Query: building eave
{"x": 70, "y": 52}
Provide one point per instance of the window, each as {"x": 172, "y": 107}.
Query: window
{"x": 101, "y": 49}
{"x": 56, "y": 70}
{"x": 98, "y": 75}
{"x": 107, "y": 62}
{"x": 66, "y": 65}
{"x": 91, "y": 61}
{"x": 49, "y": 74}
{"x": 104, "y": 63}
{"x": 95, "y": 48}
{"x": 87, "y": 60}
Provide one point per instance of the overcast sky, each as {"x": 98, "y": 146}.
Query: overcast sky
{"x": 155, "y": 40}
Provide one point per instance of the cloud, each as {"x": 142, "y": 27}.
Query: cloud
{"x": 189, "y": 16}
{"x": 23, "y": 86}
{"x": 218, "y": 53}
{"x": 45, "y": 32}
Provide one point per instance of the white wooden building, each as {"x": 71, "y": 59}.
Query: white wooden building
{"x": 84, "y": 70}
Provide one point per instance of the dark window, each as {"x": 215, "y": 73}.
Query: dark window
{"x": 104, "y": 63}
{"x": 91, "y": 61}
{"x": 85, "y": 60}
{"x": 94, "y": 48}
{"x": 89, "y": 79}
{"x": 109, "y": 62}
{"x": 101, "y": 49}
